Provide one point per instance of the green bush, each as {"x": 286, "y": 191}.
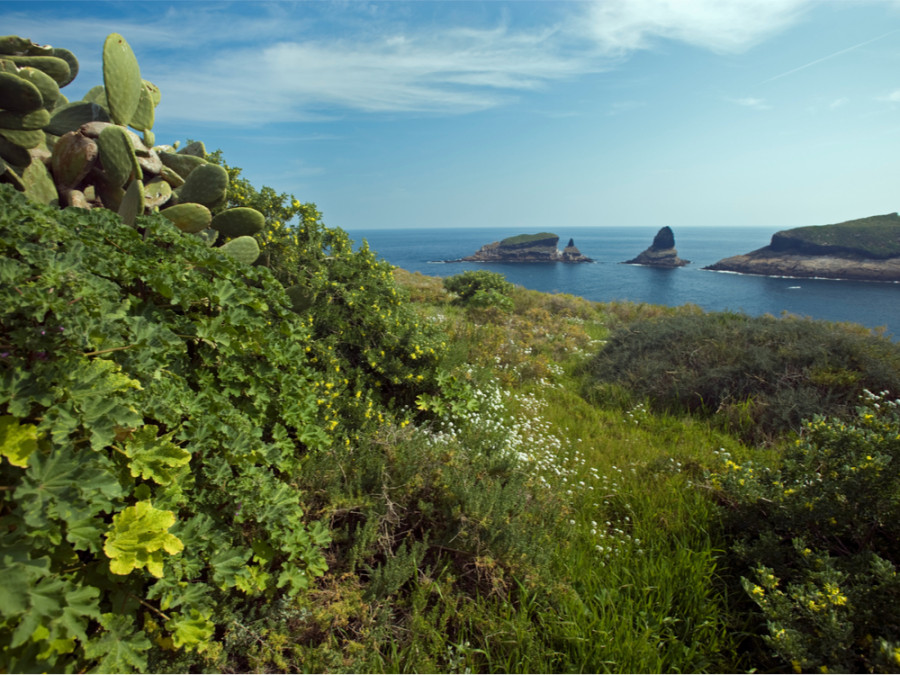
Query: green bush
{"x": 363, "y": 326}
{"x": 481, "y": 288}
{"x": 158, "y": 402}
{"x": 821, "y": 535}
{"x": 759, "y": 377}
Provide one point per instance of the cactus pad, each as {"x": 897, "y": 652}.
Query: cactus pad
{"x": 24, "y": 139}
{"x": 117, "y": 155}
{"x": 205, "y": 185}
{"x": 70, "y": 59}
{"x": 70, "y": 116}
{"x": 143, "y": 116}
{"x": 38, "y": 184}
{"x": 238, "y": 222}
{"x": 31, "y": 121}
{"x": 156, "y": 193}
{"x": 17, "y": 95}
{"x": 132, "y": 204}
{"x": 188, "y": 217}
{"x": 122, "y": 79}
{"x": 242, "y": 249}
{"x": 53, "y": 66}
{"x": 195, "y": 148}
{"x": 183, "y": 165}
{"x": 45, "y": 84}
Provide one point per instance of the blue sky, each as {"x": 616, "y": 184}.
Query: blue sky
{"x": 529, "y": 114}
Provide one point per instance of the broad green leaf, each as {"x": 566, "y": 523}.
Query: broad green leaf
{"x": 192, "y": 631}
{"x": 227, "y": 564}
{"x": 120, "y": 648}
{"x": 138, "y": 538}
{"x": 157, "y": 459}
{"x": 17, "y": 441}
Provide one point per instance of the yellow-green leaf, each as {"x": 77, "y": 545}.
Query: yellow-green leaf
{"x": 157, "y": 459}
{"x": 138, "y": 538}
{"x": 17, "y": 441}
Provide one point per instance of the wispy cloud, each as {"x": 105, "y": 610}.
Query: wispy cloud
{"x": 839, "y": 103}
{"x": 828, "y": 57}
{"x": 893, "y": 97}
{"x": 751, "y": 102}
{"x": 247, "y": 64}
{"x": 622, "y": 26}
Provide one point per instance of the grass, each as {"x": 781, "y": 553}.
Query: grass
{"x": 534, "y": 532}
{"x": 634, "y": 581}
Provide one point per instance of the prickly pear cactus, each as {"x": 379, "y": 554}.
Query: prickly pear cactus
{"x": 82, "y": 153}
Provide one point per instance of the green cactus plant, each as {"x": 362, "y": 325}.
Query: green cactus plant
{"x": 190, "y": 217}
{"x": 242, "y": 249}
{"x": 238, "y": 222}
{"x": 18, "y": 95}
{"x": 71, "y": 116}
{"x": 121, "y": 78}
{"x": 183, "y": 165}
{"x": 94, "y": 160}
{"x": 207, "y": 185}
{"x": 132, "y": 203}
{"x": 117, "y": 155}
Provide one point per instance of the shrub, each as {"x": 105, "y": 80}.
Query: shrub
{"x": 821, "y": 535}
{"x": 156, "y": 402}
{"x": 480, "y": 288}
{"x": 757, "y": 376}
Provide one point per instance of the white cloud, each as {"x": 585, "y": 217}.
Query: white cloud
{"x": 622, "y": 26}
{"x": 291, "y": 62}
{"x": 839, "y": 102}
{"x": 893, "y": 97}
{"x": 751, "y": 102}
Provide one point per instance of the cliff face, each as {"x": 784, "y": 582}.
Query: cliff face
{"x": 528, "y": 248}
{"x": 662, "y": 252}
{"x": 867, "y": 249}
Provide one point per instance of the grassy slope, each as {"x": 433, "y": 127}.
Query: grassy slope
{"x": 875, "y": 236}
{"x": 523, "y": 239}
{"x": 638, "y": 561}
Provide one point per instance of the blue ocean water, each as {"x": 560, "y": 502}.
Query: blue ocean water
{"x": 871, "y": 304}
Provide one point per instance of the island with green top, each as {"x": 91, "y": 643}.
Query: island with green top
{"x": 866, "y": 249}
{"x": 528, "y": 248}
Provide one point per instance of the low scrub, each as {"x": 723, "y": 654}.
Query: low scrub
{"x": 759, "y": 377}
{"x": 818, "y": 541}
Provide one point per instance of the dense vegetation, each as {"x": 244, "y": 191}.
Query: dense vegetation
{"x": 319, "y": 463}
{"x": 759, "y": 377}
{"x": 875, "y": 237}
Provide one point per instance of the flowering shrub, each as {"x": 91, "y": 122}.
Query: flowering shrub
{"x": 757, "y": 376}
{"x": 481, "y": 288}
{"x": 822, "y": 537}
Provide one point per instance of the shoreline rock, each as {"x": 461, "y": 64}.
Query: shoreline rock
{"x": 770, "y": 263}
{"x": 662, "y": 252}
{"x": 527, "y": 248}
{"x": 857, "y": 250}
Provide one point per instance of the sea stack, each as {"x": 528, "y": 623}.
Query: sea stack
{"x": 528, "y": 248}
{"x": 661, "y": 253}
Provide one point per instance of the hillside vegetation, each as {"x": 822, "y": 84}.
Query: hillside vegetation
{"x": 319, "y": 463}
{"x": 873, "y": 237}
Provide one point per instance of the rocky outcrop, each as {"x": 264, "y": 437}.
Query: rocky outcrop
{"x": 661, "y": 253}
{"x": 862, "y": 250}
{"x": 769, "y": 262}
{"x": 528, "y": 248}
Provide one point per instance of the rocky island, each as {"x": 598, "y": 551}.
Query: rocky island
{"x": 661, "y": 253}
{"x": 867, "y": 249}
{"x": 527, "y": 248}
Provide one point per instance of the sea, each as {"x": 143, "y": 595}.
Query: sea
{"x": 873, "y": 304}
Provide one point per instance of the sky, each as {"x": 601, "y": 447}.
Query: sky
{"x": 526, "y": 114}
